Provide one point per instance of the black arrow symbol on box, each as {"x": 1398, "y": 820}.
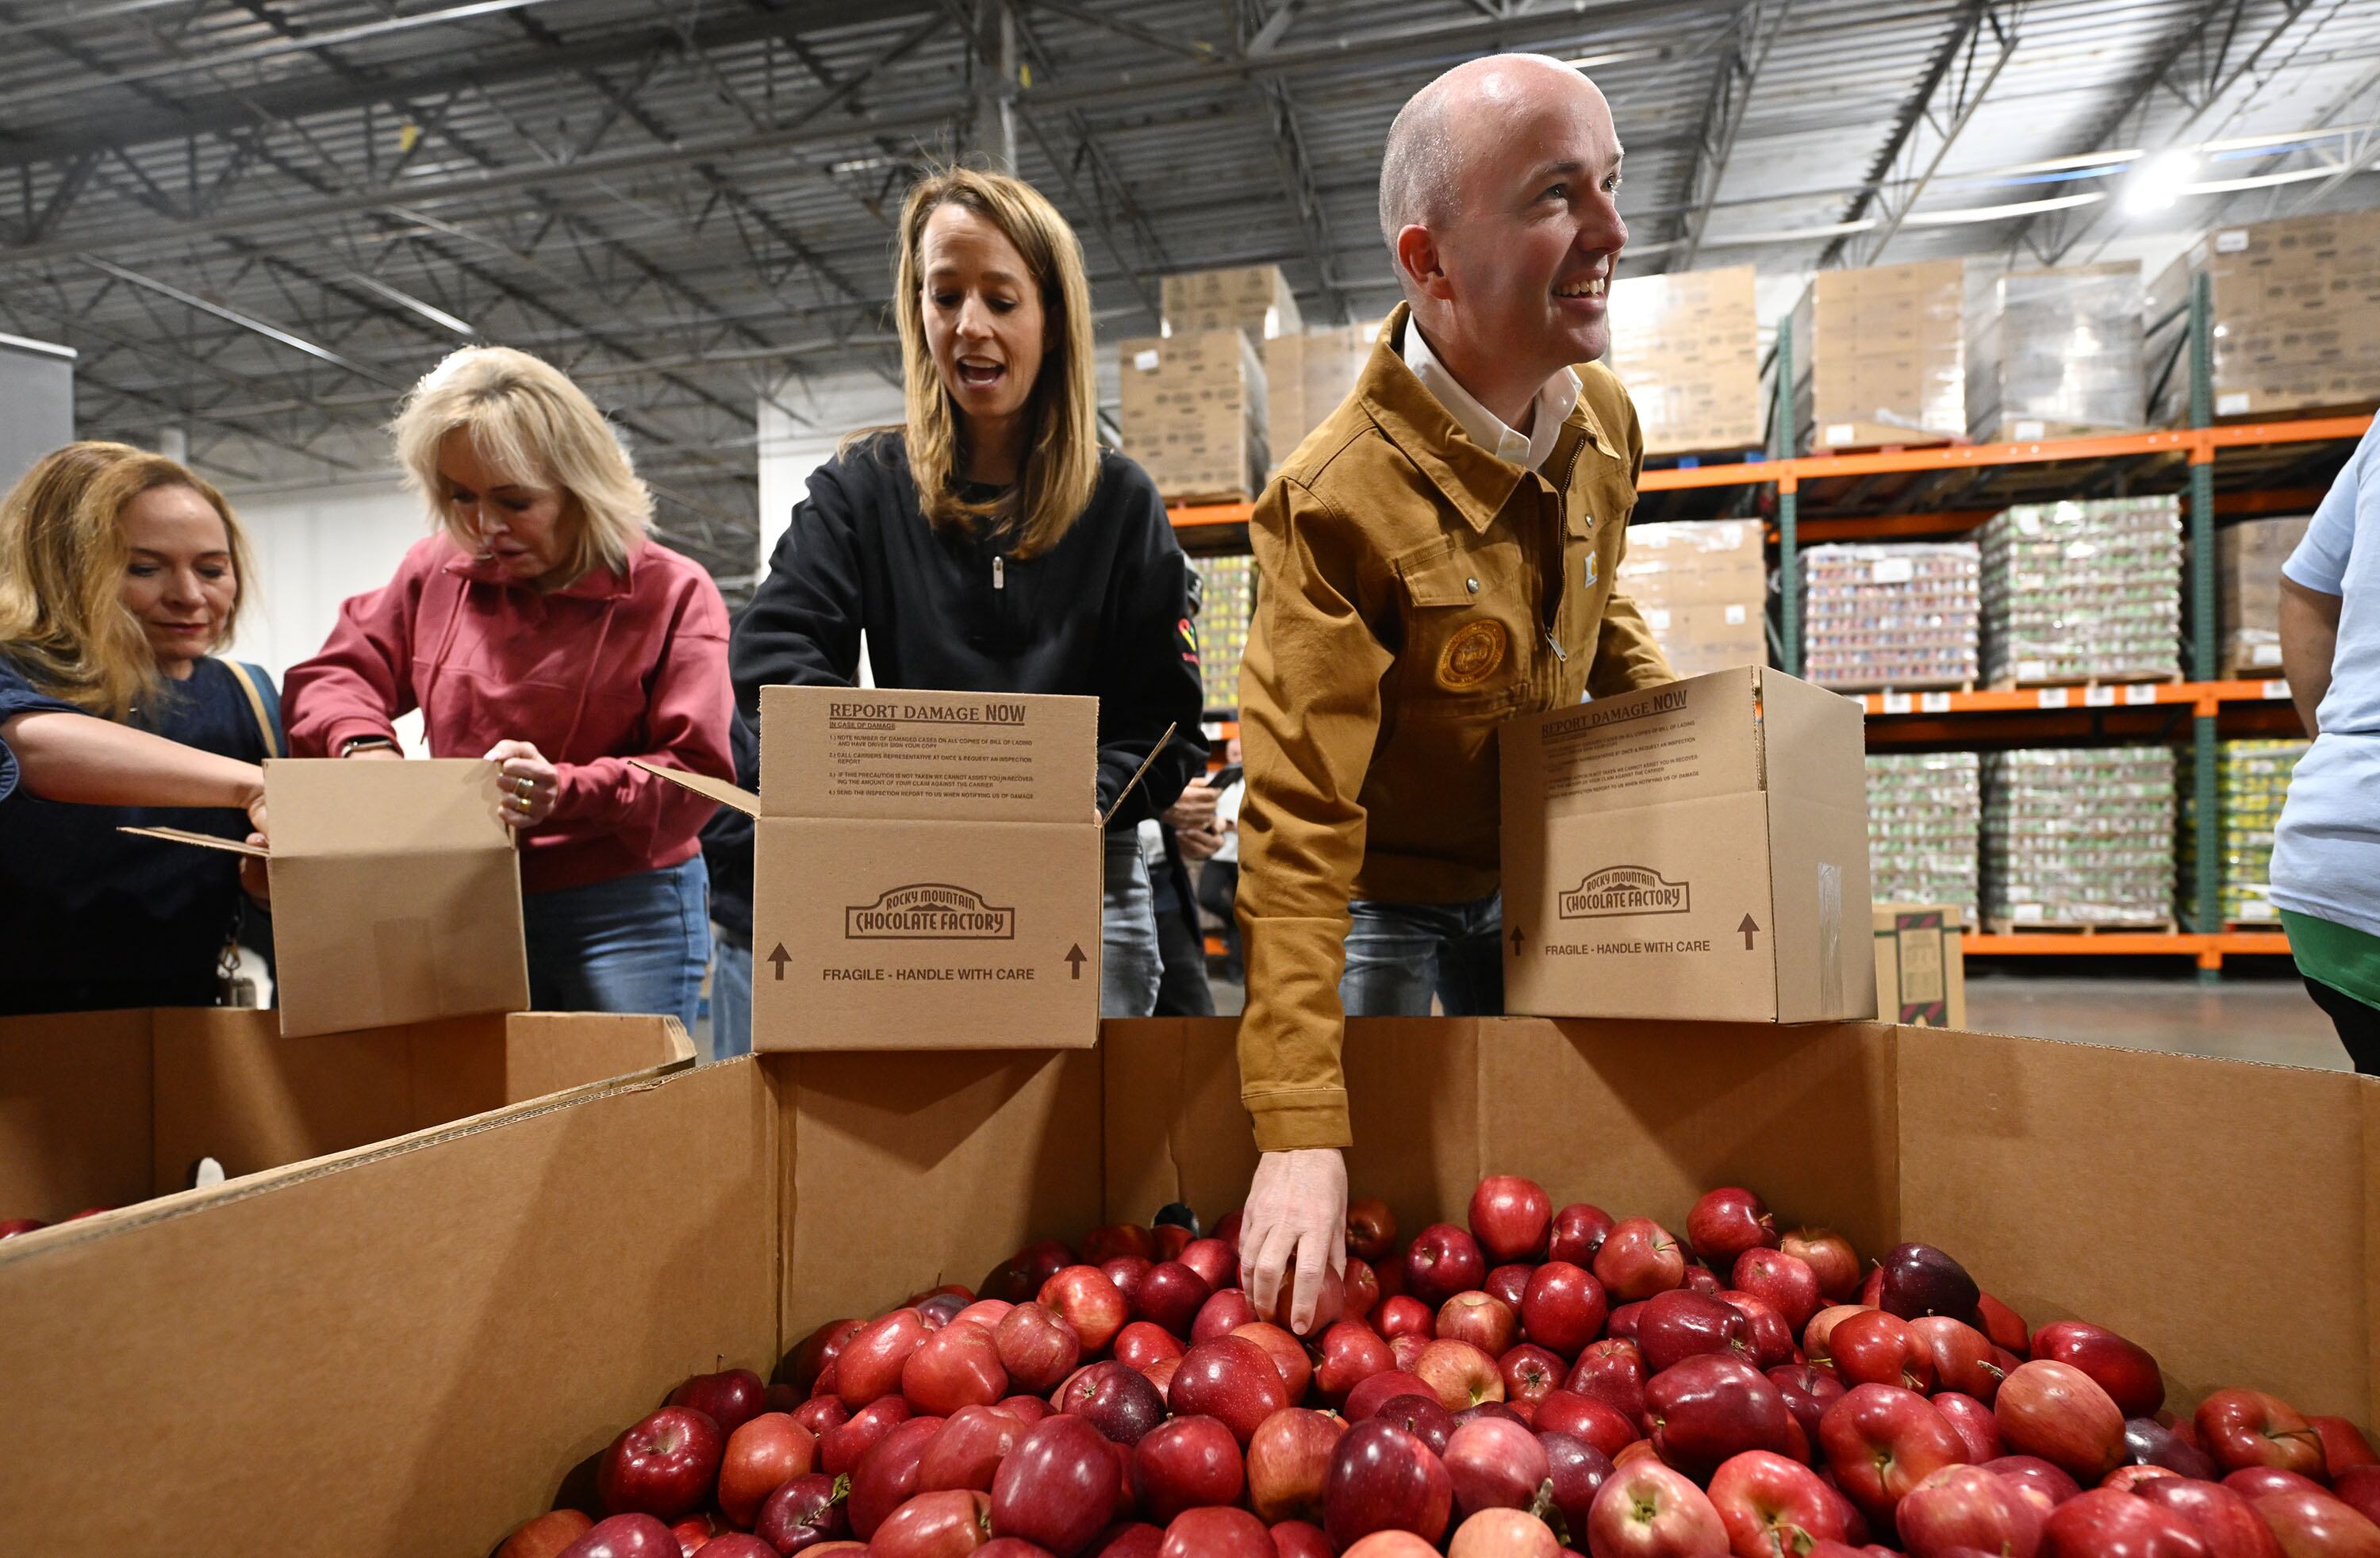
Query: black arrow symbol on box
{"x": 778, "y": 960}
{"x": 1750, "y": 928}
{"x": 1516, "y": 941}
{"x": 1075, "y": 959}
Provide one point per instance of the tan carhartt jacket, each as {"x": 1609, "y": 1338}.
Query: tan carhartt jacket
{"x": 1417, "y": 592}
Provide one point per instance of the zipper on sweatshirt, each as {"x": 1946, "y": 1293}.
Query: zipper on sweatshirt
{"x": 999, "y": 573}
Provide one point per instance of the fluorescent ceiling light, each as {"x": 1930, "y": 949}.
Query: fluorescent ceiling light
{"x": 407, "y": 300}
{"x": 2160, "y": 182}
{"x": 1617, "y": 56}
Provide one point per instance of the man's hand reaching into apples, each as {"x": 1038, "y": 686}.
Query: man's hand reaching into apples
{"x": 1294, "y": 1231}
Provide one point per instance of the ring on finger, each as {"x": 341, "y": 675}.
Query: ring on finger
{"x": 524, "y": 784}
{"x": 521, "y": 801}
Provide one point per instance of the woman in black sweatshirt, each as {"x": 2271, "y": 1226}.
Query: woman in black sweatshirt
{"x": 991, "y": 544}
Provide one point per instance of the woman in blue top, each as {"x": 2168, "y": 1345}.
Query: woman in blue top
{"x": 2326, "y": 850}
{"x": 120, "y": 572}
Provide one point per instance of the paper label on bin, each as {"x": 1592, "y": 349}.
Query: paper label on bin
{"x": 1735, "y": 616}
{"x": 2024, "y": 911}
{"x": 1896, "y": 703}
{"x": 2140, "y": 693}
{"x": 2098, "y": 697}
{"x": 2051, "y": 698}
{"x": 2278, "y": 690}
{"x": 2027, "y": 431}
{"x": 1658, "y": 617}
{"x": 2266, "y": 655}
{"x": 2032, "y": 670}
{"x": 1934, "y": 703}
{"x": 2231, "y": 240}
{"x": 1893, "y": 570}
{"x": 2232, "y": 405}
{"x": 1840, "y": 432}
{"x": 1144, "y": 361}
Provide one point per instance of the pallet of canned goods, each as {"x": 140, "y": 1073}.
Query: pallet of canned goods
{"x": 1227, "y": 599}
{"x": 1902, "y": 615}
{"x": 1924, "y": 813}
{"x": 2252, "y": 784}
{"x": 2078, "y": 838}
{"x": 2083, "y": 591}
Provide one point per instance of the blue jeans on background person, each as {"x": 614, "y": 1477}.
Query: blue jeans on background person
{"x": 1130, "y": 964}
{"x": 1401, "y": 954}
{"x": 635, "y": 943}
{"x": 731, "y": 994}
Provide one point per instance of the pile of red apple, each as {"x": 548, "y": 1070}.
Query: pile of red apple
{"x": 1544, "y": 1382}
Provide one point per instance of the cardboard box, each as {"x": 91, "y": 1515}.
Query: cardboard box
{"x": 1694, "y": 850}
{"x": 1251, "y": 298}
{"x": 395, "y": 893}
{"x": 2297, "y": 318}
{"x": 2053, "y": 353}
{"x": 1688, "y": 347}
{"x": 2248, "y": 558}
{"x": 1703, "y": 586}
{"x": 1193, "y": 413}
{"x": 113, "y": 1109}
{"x": 1307, "y": 377}
{"x": 927, "y": 870}
{"x": 407, "y": 1351}
{"x": 1920, "y": 965}
{"x": 1879, "y": 357}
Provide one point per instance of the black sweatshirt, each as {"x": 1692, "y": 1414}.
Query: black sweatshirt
{"x": 1103, "y": 614}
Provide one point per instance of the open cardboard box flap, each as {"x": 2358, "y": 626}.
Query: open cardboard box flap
{"x": 419, "y": 1345}
{"x": 395, "y": 893}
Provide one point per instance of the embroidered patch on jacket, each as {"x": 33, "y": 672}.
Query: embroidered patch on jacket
{"x": 1472, "y": 655}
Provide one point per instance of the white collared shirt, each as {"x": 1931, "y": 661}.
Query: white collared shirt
{"x": 1555, "y": 401}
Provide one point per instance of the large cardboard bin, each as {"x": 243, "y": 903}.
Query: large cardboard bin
{"x": 411, "y": 1349}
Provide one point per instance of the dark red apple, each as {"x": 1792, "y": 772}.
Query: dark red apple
{"x": 1510, "y": 1218}
{"x": 1728, "y": 1221}
{"x": 2343, "y": 1445}
{"x": 804, "y": 1513}
{"x": 1217, "y": 1533}
{"x": 2103, "y": 1523}
{"x": 2222, "y": 1519}
{"x": 2308, "y": 1523}
{"x": 1967, "y": 1506}
{"x": 1382, "y": 1479}
{"x": 1509, "y": 1283}
{"x": 1371, "y": 1228}
{"x": 761, "y": 1457}
{"x": 1217, "y": 1264}
{"x": 1962, "y": 1356}
{"x": 626, "y": 1536}
{"x": 1424, "y": 1416}
{"x": 1531, "y": 1373}
{"x": 1678, "y": 1325}
{"x": 1300, "y": 1539}
{"x": 1708, "y": 1408}
{"x": 2055, "y": 1411}
{"x": 1830, "y": 1257}
{"x": 1493, "y": 1464}
{"x": 1876, "y": 1348}
{"x": 1233, "y": 1379}
{"x": 2122, "y": 1368}
{"x": 2003, "y": 1325}
{"x": 1639, "y": 1257}
{"x": 937, "y": 1524}
{"x": 1406, "y": 1316}
{"x": 869, "y": 1365}
{"x": 938, "y": 1309}
{"x": 1288, "y": 1464}
{"x": 967, "y": 1450}
{"x": 820, "y": 1413}
{"x": 2149, "y": 1442}
{"x": 1037, "y": 1346}
{"x": 1379, "y": 1390}
{"x": 887, "y": 1475}
{"x": 1220, "y": 1316}
{"x": 1091, "y": 1302}
{"x": 664, "y": 1466}
{"x": 1978, "y": 1427}
{"x": 843, "y": 1446}
{"x": 1774, "y": 1507}
{"x": 1352, "y": 1351}
{"x": 1922, "y": 1280}
{"x": 1807, "y": 1394}
{"x": 1058, "y": 1488}
{"x": 2252, "y": 1483}
{"x": 1611, "y": 1371}
{"x": 1881, "y": 1441}
{"x": 2032, "y": 1472}
{"x": 2244, "y": 1427}
{"x": 1562, "y": 1307}
{"x": 1288, "y": 1355}
{"x": 1441, "y": 1261}
{"x": 1142, "y": 1344}
{"x": 1771, "y": 1340}
{"x": 1784, "y": 1280}
{"x": 957, "y": 1366}
{"x": 1103, "y": 1245}
{"x": 1578, "y": 1232}
{"x": 1170, "y": 1296}
{"x": 730, "y": 1398}
{"x": 1114, "y": 1398}
{"x": 1575, "y": 1472}
{"x": 1360, "y": 1289}
{"x": 1591, "y": 1421}
{"x": 1647, "y": 1510}
{"x": 1184, "y": 1463}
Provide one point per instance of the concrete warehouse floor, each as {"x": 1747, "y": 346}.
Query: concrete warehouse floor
{"x": 2250, "y": 1015}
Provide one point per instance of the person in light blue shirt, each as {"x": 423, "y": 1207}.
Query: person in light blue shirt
{"x": 2326, "y": 850}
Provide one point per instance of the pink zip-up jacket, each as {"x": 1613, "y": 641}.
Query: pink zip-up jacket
{"x": 612, "y": 668}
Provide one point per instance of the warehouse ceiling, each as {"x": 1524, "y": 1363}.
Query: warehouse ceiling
{"x": 259, "y": 220}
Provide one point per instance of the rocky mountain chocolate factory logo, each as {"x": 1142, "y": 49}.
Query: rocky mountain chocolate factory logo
{"x": 1623, "y": 890}
{"x": 929, "y": 911}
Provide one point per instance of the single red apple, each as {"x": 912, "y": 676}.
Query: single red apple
{"x": 1217, "y": 1533}
{"x": 1143, "y": 1343}
{"x": 1168, "y": 1240}
{"x": 1461, "y": 1374}
{"x": 1591, "y": 1421}
{"x": 1881, "y": 1441}
{"x": 1360, "y": 1289}
{"x": 1639, "y": 1257}
{"x": 1288, "y": 1464}
{"x": 1509, "y": 1283}
{"x": 1441, "y": 1261}
{"x": 1058, "y": 1488}
{"x": 1678, "y": 1325}
{"x": 1784, "y": 1280}
{"x": 2222, "y": 1519}
{"x": 1407, "y": 1315}
{"x": 1217, "y": 1264}
{"x": 886, "y": 1476}
{"x": 1288, "y": 1355}
{"x": 1091, "y": 1302}
{"x": 2032, "y": 1471}
{"x": 2055, "y": 1411}
{"x": 1774, "y": 1507}
{"x": 1371, "y": 1228}
{"x": 1575, "y": 1472}
{"x": 1531, "y": 1373}
{"x": 1510, "y": 1218}
{"x": 1233, "y": 1379}
{"x": 2149, "y": 1442}
{"x": 937, "y": 1524}
{"x": 1351, "y": 1353}
{"x": 1978, "y": 1427}
{"x": 1830, "y": 1257}
{"x": 1766, "y": 1333}
{"x": 2102, "y": 1522}
{"x": 843, "y": 1446}
{"x": 2308, "y": 1523}
{"x": 1967, "y": 1506}
{"x": 1647, "y": 1510}
{"x": 1382, "y": 1479}
{"x": 664, "y": 1466}
{"x": 805, "y": 1512}
{"x": 869, "y": 1365}
{"x": 1922, "y": 1280}
{"x": 969, "y": 1450}
{"x": 1300, "y": 1539}
{"x": 1391, "y": 1544}
{"x": 1726, "y": 1223}
{"x": 626, "y": 1536}
{"x": 1503, "y": 1533}
{"x": 2252, "y": 1483}
{"x": 1424, "y": 1416}
{"x": 2358, "y": 1488}
{"x": 1481, "y": 1319}
{"x": 1103, "y": 1245}
{"x": 2123, "y": 1369}
{"x": 1611, "y": 1371}
{"x": 820, "y": 1413}
{"x": 1327, "y": 1307}
{"x": 1037, "y": 1346}
{"x": 1170, "y": 1296}
{"x": 957, "y": 1366}
{"x": 1220, "y": 1316}
{"x": 1374, "y": 1392}
{"x": 2004, "y": 1326}
{"x": 986, "y": 1312}
{"x": 692, "y": 1532}
{"x": 761, "y": 1457}
{"x": 1184, "y": 1463}
{"x": 1493, "y": 1464}
{"x": 2243, "y": 1427}
{"x": 1708, "y": 1408}
{"x": 1807, "y": 1394}
{"x": 544, "y": 1535}
{"x": 1578, "y": 1232}
{"x": 1114, "y": 1398}
{"x": 730, "y": 1398}
{"x": 1960, "y": 1355}
{"x": 1874, "y": 1347}
{"x": 1562, "y": 1307}
{"x": 1817, "y": 1337}
{"x": 2343, "y": 1445}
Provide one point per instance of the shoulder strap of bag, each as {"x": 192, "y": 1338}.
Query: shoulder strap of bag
{"x": 253, "y": 682}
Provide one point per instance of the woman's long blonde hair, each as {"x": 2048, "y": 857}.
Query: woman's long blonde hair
{"x": 63, "y": 620}
{"x": 532, "y": 423}
{"x": 1062, "y": 454}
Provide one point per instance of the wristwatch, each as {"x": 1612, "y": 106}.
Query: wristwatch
{"x": 356, "y": 743}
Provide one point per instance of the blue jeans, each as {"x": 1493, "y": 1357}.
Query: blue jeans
{"x": 1130, "y": 965}
{"x": 731, "y": 994}
{"x": 635, "y": 943}
{"x": 1401, "y": 954}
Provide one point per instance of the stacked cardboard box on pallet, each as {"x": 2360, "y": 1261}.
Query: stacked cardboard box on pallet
{"x": 2248, "y": 558}
{"x": 1703, "y": 586}
{"x": 1879, "y": 357}
{"x": 1193, "y": 413}
{"x": 2297, "y": 317}
{"x": 1226, "y": 601}
{"x": 1307, "y": 376}
{"x": 1688, "y": 347}
{"x": 1251, "y": 298}
{"x": 2079, "y": 837}
{"x": 1897, "y": 615}
{"x": 2252, "y": 784}
{"x": 2053, "y": 354}
{"x": 1924, "y": 816}
{"x": 2089, "y": 591}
